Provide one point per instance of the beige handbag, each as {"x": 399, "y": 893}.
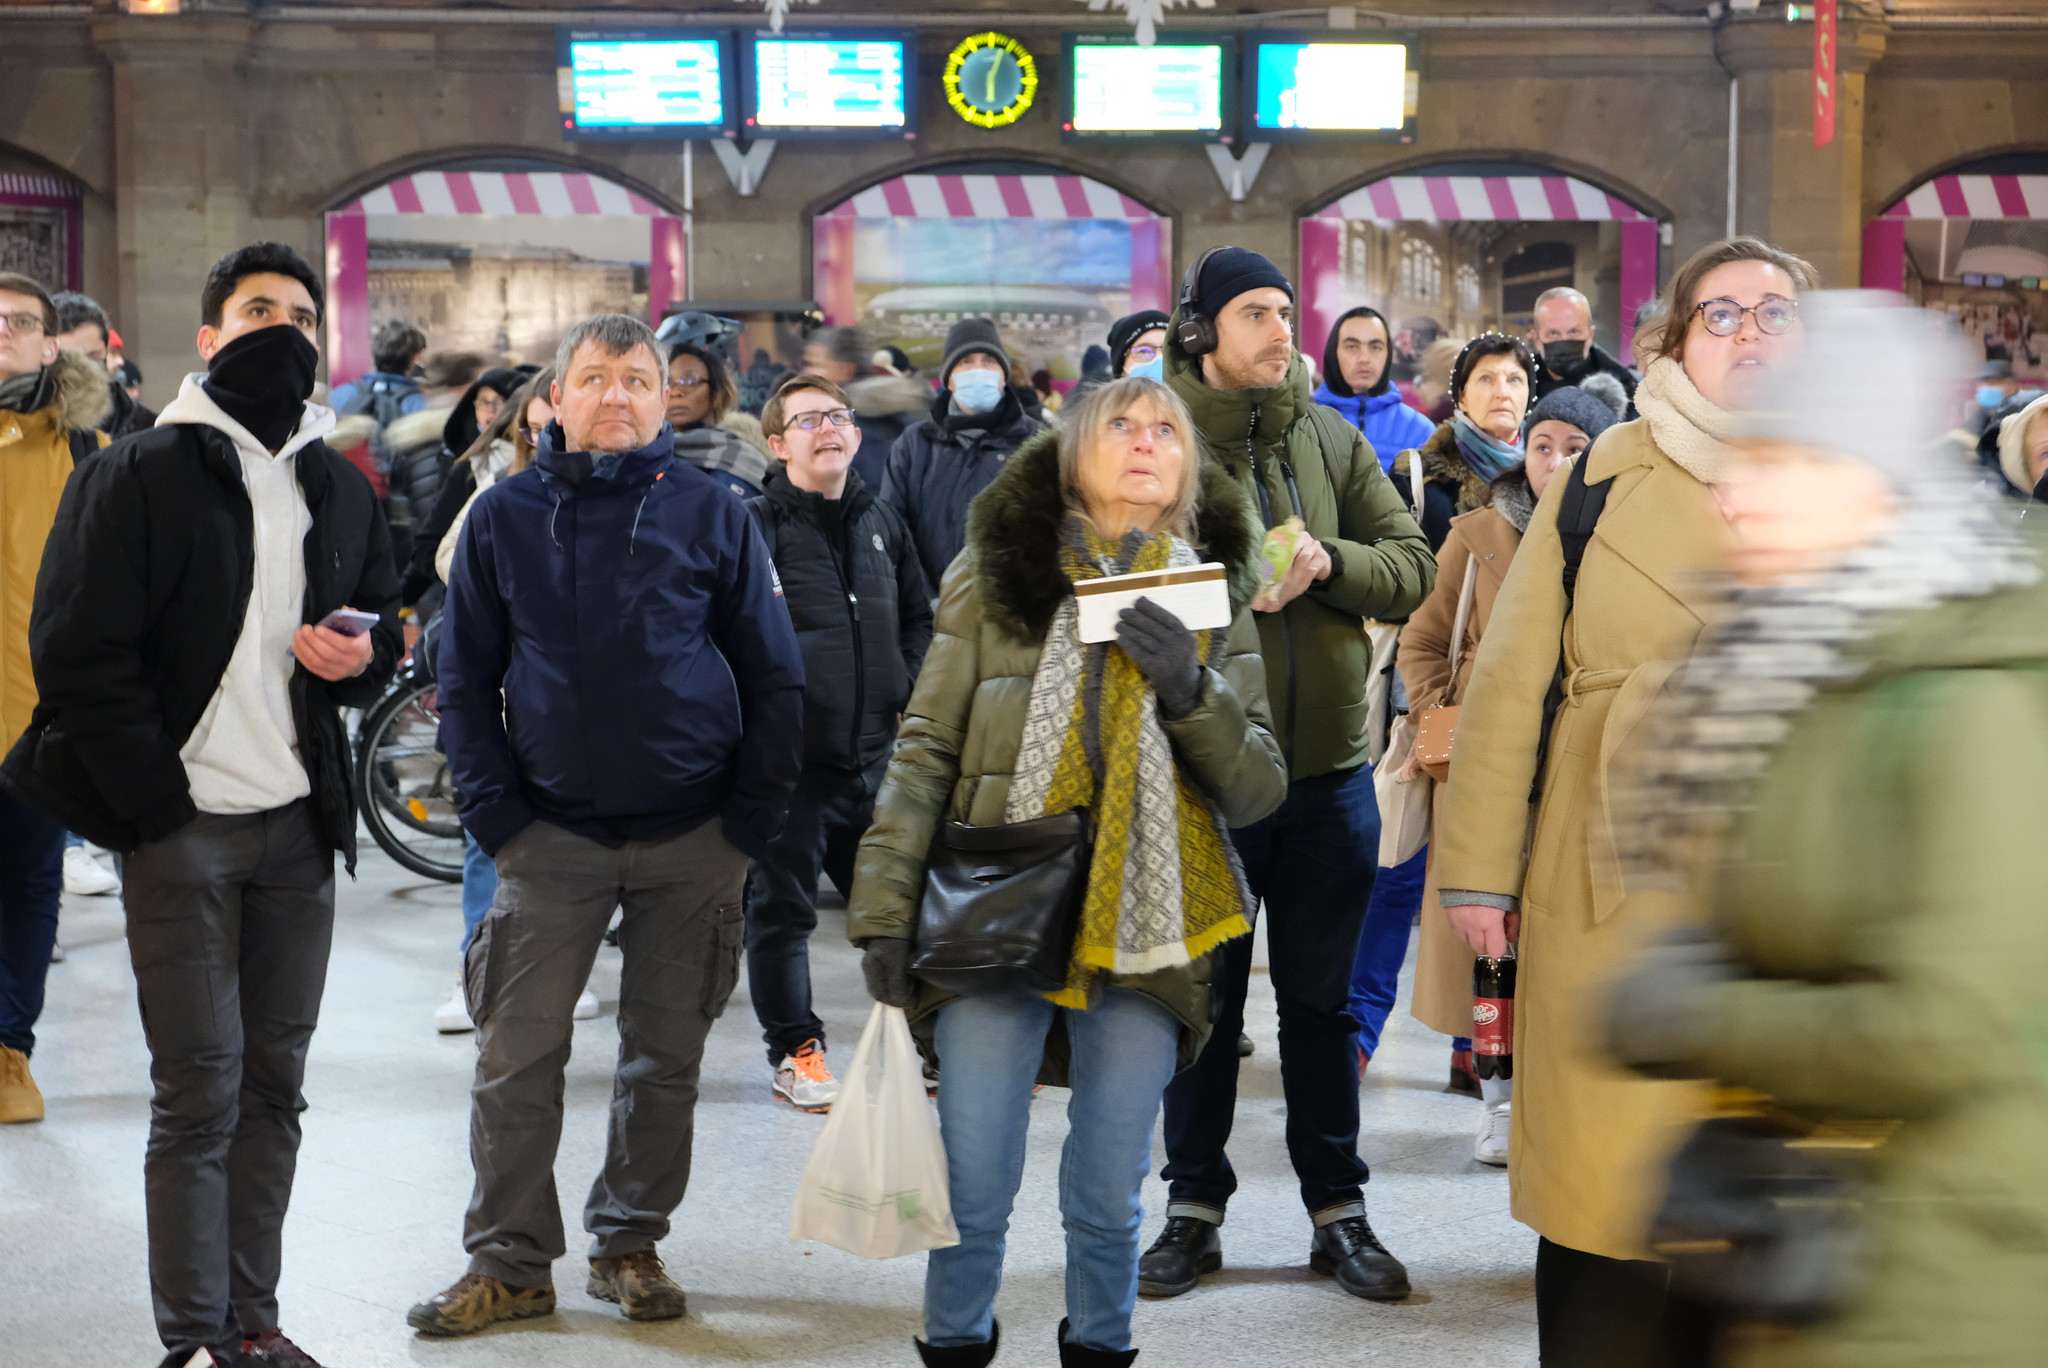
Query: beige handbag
{"x": 1437, "y": 728}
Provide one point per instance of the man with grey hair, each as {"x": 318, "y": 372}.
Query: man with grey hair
{"x": 1562, "y": 335}
{"x": 622, "y": 708}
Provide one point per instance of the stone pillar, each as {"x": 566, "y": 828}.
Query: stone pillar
{"x": 183, "y": 171}
{"x": 1806, "y": 199}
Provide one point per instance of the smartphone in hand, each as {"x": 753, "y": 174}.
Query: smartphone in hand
{"x": 349, "y": 622}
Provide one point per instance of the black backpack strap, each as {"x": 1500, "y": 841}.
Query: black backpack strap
{"x": 84, "y": 442}
{"x": 1578, "y": 513}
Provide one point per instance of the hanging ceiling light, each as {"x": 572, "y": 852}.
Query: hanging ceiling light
{"x": 1146, "y": 15}
{"x": 778, "y": 10}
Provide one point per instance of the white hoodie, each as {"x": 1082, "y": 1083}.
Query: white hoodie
{"x": 244, "y": 754}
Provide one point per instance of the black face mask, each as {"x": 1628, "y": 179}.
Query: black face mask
{"x": 262, "y": 380}
{"x": 1561, "y": 358}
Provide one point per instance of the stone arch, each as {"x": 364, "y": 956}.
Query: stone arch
{"x": 2005, "y": 185}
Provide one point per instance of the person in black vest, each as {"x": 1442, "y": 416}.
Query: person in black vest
{"x": 863, "y": 617}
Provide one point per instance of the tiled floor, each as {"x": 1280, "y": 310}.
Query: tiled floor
{"x": 384, "y": 1177}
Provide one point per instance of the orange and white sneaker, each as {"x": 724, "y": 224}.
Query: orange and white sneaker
{"x": 803, "y": 1081}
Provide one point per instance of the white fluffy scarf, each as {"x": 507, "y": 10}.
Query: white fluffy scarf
{"x": 1689, "y": 428}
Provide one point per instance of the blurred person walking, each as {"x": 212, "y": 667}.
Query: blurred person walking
{"x": 389, "y": 391}
{"x": 52, "y": 404}
{"x": 1605, "y": 629}
{"x": 1358, "y": 382}
{"x": 886, "y": 403}
{"x": 863, "y": 618}
{"x": 1471, "y": 566}
{"x": 621, "y": 699}
{"x": 1562, "y": 334}
{"x": 1848, "y": 794}
{"x": 415, "y": 451}
{"x": 477, "y": 412}
{"x": 1230, "y": 357}
{"x": 190, "y": 719}
{"x": 975, "y": 422}
{"x": 1164, "y": 737}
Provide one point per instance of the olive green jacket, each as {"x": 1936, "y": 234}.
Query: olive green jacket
{"x": 1885, "y": 907}
{"x": 957, "y": 749}
{"x": 1318, "y": 660}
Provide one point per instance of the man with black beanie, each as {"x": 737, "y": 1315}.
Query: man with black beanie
{"x": 1143, "y": 332}
{"x": 191, "y": 685}
{"x": 1230, "y": 356}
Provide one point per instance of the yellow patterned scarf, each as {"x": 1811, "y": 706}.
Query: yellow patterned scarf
{"x": 1164, "y": 885}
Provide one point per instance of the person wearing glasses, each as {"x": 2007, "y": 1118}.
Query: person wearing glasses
{"x": 1590, "y": 1141}
{"x": 700, "y": 395}
{"x": 1137, "y": 345}
{"x": 863, "y": 618}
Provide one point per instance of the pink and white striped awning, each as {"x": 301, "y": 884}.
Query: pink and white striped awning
{"x": 1481, "y": 199}
{"x": 558, "y": 194}
{"x": 16, "y": 188}
{"x": 1975, "y": 197}
{"x": 991, "y": 197}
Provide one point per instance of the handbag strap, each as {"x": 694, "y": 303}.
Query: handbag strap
{"x": 1415, "y": 483}
{"x": 1458, "y": 625}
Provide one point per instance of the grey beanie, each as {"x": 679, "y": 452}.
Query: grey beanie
{"x": 972, "y": 335}
{"x": 1570, "y": 404}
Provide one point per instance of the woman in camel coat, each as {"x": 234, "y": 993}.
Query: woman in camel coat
{"x": 1591, "y": 1141}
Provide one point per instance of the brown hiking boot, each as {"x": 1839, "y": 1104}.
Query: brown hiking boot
{"x": 639, "y": 1284}
{"x": 20, "y": 1099}
{"x": 478, "y": 1300}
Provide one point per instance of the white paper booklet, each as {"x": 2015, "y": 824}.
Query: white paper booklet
{"x": 1198, "y": 595}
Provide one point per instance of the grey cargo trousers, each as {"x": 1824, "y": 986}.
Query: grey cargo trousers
{"x": 681, "y": 934}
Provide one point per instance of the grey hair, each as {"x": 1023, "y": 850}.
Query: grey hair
{"x": 1080, "y": 423}
{"x": 1564, "y": 292}
{"x": 615, "y": 335}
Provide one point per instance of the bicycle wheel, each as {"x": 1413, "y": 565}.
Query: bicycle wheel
{"x": 403, "y": 786}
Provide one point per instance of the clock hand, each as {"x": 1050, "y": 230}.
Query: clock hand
{"x": 992, "y": 66}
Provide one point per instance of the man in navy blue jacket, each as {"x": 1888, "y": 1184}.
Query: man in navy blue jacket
{"x": 622, "y": 706}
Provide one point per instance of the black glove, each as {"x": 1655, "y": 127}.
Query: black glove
{"x": 885, "y": 963}
{"x": 1165, "y": 651}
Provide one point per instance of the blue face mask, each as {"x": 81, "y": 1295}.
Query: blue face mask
{"x": 1990, "y": 397}
{"x": 976, "y": 391}
{"x": 1155, "y": 369}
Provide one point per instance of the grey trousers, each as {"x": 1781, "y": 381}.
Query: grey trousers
{"x": 680, "y": 935}
{"x": 229, "y": 925}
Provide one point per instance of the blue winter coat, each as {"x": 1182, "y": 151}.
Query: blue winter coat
{"x": 1389, "y": 425}
{"x": 616, "y": 657}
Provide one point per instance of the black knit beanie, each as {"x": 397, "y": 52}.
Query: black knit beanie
{"x": 1229, "y": 272}
{"x": 1570, "y": 404}
{"x": 1127, "y": 330}
{"x": 972, "y": 335}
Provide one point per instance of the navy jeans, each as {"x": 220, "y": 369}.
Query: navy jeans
{"x": 1313, "y": 863}
{"x": 31, "y": 886}
{"x": 1383, "y": 946}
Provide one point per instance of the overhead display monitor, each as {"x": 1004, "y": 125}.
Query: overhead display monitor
{"x": 830, "y": 83}
{"x": 645, "y": 83}
{"x": 1323, "y": 87}
{"x": 1180, "y": 89}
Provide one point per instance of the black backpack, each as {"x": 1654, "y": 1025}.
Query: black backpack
{"x": 382, "y": 399}
{"x": 1578, "y": 512}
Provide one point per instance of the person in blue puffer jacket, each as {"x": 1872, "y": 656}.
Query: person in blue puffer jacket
{"x": 1357, "y": 382}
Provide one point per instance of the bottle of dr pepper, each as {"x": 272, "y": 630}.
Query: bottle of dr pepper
{"x": 1493, "y": 1016}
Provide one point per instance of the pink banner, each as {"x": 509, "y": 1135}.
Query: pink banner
{"x": 667, "y": 268}
{"x": 1152, "y": 282}
{"x": 1322, "y": 283}
{"x": 832, "y": 269}
{"x": 1884, "y": 254}
{"x": 1639, "y": 242}
{"x": 348, "y": 298}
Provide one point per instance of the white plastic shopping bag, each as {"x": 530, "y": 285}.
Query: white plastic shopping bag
{"x": 876, "y": 1183}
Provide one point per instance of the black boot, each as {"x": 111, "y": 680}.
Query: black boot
{"x": 961, "y": 1355}
{"x": 1079, "y": 1356}
{"x": 1350, "y": 1252}
{"x": 1185, "y": 1250}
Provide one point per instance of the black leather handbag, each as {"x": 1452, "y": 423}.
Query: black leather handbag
{"x": 1001, "y": 904}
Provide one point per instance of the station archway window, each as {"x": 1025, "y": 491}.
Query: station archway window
{"x": 42, "y": 228}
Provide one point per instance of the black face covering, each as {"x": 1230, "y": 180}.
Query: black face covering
{"x": 1562, "y": 358}
{"x": 262, "y": 380}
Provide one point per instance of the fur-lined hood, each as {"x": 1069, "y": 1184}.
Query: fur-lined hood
{"x": 1013, "y": 532}
{"x": 80, "y": 391}
{"x": 2012, "y": 444}
{"x": 1443, "y": 463}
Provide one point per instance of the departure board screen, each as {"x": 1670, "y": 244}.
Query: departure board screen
{"x": 1303, "y": 86}
{"x": 1166, "y": 88}
{"x": 621, "y": 84}
{"x": 850, "y": 84}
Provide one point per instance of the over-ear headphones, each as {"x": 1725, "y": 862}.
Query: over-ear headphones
{"x": 1196, "y": 332}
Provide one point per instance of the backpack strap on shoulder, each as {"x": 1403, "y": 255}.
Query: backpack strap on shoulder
{"x": 1578, "y": 513}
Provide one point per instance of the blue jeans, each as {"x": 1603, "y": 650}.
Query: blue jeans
{"x": 1123, "y": 1053}
{"x": 1313, "y": 863}
{"x": 31, "y": 887}
{"x": 1383, "y": 946}
{"x": 479, "y": 886}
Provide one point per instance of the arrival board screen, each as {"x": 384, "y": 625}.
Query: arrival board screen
{"x": 842, "y": 83}
{"x": 1330, "y": 87}
{"x": 1165, "y": 88}
{"x": 647, "y": 84}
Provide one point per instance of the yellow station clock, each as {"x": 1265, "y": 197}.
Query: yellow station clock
{"x": 990, "y": 79}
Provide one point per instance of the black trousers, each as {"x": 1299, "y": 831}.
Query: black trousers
{"x": 1597, "y": 1312}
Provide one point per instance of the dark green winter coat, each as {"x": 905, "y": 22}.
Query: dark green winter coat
{"x": 957, "y": 749}
{"x": 1287, "y": 461}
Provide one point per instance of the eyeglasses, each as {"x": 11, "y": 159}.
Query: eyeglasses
{"x": 1774, "y": 317}
{"x": 532, "y": 435}
{"x": 1144, "y": 351}
{"x": 813, "y": 419}
{"x": 23, "y": 324}
{"x": 686, "y": 384}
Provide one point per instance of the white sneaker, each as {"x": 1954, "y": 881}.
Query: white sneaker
{"x": 86, "y": 876}
{"x": 586, "y": 1006}
{"x": 803, "y": 1081}
{"x": 1492, "y": 1145}
{"x": 452, "y": 1016}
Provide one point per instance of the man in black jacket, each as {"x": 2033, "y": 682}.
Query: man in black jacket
{"x": 1562, "y": 335}
{"x": 189, "y": 719}
{"x": 83, "y": 327}
{"x": 863, "y": 618}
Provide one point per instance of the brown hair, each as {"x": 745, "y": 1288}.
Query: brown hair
{"x": 774, "y": 422}
{"x": 1080, "y": 425}
{"x": 511, "y": 423}
{"x": 1681, "y": 296}
{"x": 16, "y": 283}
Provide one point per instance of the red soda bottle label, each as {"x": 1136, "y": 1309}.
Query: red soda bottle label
{"x": 1493, "y": 1026}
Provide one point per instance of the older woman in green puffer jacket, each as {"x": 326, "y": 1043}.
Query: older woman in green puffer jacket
{"x": 1014, "y": 718}
{"x": 1859, "y": 761}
